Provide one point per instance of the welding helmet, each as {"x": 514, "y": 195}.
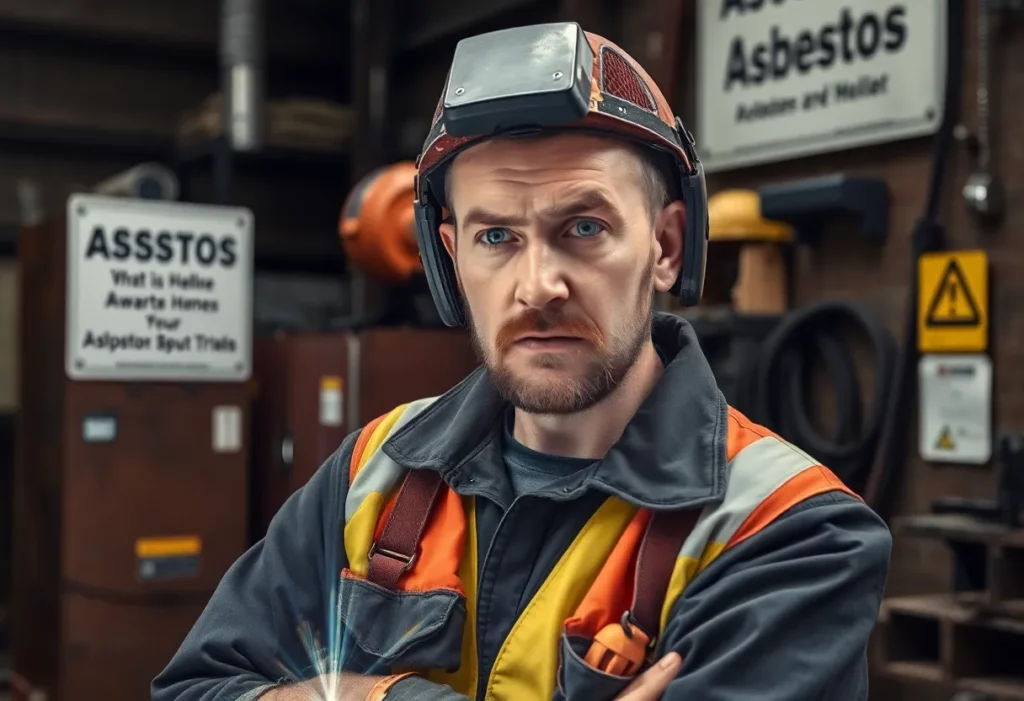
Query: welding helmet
{"x": 546, "y": 78}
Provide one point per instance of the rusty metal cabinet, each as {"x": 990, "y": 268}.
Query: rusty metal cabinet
{"x": 317, "y": 388}
{"x": 130, "y": 503}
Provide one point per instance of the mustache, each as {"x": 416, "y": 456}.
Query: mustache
{"x": 546, "y": 321}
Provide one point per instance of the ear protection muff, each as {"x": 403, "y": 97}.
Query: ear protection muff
{"x": 693, "y": 185}
{"x": 437, "y": 264}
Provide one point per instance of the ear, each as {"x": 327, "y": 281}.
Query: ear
{"x": 669, "y": 230}
{"x": 448, "y": 236}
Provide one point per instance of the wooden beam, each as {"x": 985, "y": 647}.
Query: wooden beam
{"x": 180, "y": 26}
{"x": 436, "y": 22}
{"x": 372, "y": 51}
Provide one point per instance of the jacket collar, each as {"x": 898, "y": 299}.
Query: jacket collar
{"x": 671, "y": 455}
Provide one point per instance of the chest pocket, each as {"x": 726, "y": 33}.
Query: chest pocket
{"x": 402, "y": 607}
{"x": 388, "y": 630}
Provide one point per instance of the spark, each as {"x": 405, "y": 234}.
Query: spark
{"x": 327, "y": 662}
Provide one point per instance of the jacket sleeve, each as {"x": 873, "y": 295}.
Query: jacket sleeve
{"x": 252, "y": 635}
{"x": 787, "y": 614}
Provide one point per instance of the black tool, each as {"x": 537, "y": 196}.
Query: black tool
{"x": 1011, "y": 481}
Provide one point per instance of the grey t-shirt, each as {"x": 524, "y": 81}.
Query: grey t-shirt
{"x": 530, "y": 471}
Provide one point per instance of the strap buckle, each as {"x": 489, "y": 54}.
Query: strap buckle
{"x": 630, "y": 627}
{"x": 407, "y": 560}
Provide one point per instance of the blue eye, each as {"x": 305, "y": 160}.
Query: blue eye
{"x": 494, "y": 237}
{"x": 587, "y": 228}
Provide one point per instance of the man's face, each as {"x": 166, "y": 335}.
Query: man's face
{"x": 558, "y": 259}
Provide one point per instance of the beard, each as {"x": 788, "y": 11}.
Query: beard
{"x": 608, "y": 363}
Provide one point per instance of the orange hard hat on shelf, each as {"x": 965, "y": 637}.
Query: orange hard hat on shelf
{"x": 377, "y": 225}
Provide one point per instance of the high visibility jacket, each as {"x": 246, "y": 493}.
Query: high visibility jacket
{"x": 773, "y": 594}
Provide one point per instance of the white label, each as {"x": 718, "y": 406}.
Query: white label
{"x": 331, "y": 407}
{"x": 99, "y": 429}
{"x": 956, "y": 408}
{"x": 786, "y": 78}
{"x": 158, "y": 290}
{"x": 227, "y": 429}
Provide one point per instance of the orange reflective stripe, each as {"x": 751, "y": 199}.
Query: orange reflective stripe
{"x": 360, "y": 446}
{"x": 612, "y": 591}
{"x": 742, "y": 432}
{"x": 441, "y": 547}
{"x": 802, "y": 486}
{"x": 464, "y": 680}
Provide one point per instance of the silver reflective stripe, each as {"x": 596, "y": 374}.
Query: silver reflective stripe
{"x": 752, "y": 476}
{"x": 380, "y": 473}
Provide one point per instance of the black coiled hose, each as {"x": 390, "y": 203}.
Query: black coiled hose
{"x": 773, "y": 386}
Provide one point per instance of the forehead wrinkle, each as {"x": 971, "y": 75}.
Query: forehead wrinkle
{"x": 514, "y": 173}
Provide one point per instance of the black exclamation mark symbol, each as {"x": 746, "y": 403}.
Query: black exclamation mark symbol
{"x": 952, "y": 299}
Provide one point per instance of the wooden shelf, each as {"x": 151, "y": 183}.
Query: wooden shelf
{"x": 1002, "y": 689}
{"x": 952, "y": 639}
{"x": 968, "y": 608}
{"x": 915, "y": 671}
{"x": 22, "y": 136}
{"x": 958, "y": 528}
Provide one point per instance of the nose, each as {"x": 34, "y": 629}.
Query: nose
{"x": 541, "y": 277}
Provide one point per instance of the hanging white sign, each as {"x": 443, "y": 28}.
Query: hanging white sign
{"x": 778, "y": 79}
{"x": 955, "y": 408}
{"x": 158, "y": 290}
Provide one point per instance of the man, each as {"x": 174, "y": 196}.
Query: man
{"x": 583, "y": 517}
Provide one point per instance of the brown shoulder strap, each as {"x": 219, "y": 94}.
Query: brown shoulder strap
{"x": 659, "y": 550}
{"x": 395, "y": 552}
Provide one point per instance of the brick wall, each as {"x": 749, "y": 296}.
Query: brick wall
{"x": 8, "y": 335}
{"x": 843, "y": 267}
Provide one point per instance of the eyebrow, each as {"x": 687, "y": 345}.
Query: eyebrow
{"x": 583, "y": 203}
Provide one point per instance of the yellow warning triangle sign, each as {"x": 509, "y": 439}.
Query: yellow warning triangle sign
{"x": 953, "y": 304}
{"x": 945, "y": 441}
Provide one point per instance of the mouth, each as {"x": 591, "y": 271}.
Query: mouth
{"x": 548, "y": 342}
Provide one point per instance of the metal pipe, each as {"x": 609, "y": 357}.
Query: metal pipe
{"x": 242, "y": 60}
{"x": 984, "y": 82}
{"x": 147, "y": 181}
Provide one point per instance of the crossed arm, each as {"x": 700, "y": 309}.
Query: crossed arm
{"x": 786, "y": 615}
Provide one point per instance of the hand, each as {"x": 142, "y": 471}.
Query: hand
{"x": 650, "y": 685}
{"x": 353, "y": 687}
{"x": 346, "y": 686}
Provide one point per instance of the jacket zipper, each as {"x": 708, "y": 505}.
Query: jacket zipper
{"x": 482, "y": 681}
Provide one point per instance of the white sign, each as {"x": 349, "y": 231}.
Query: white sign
{"x": 778, "y": 79}
{"x": 331, "y": 402}
{"x": 227, "y": 429}
{"x": 158, "y": 291}
{"x": 955, "y": 408}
